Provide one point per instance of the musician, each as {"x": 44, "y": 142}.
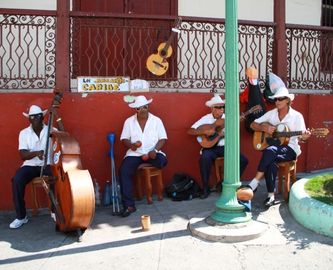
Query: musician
{"x": 286, "y": 115}
{"x": 144, "y": 136}
{"x": 208, "y": 155}
{"x": 32, "y": 142}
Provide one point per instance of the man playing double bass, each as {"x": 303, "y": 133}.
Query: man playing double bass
{"x": 32, "y": 142}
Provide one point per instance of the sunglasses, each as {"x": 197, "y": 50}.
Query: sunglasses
{"x": 280, "y": 99}
{"x": 218, "y": 107}
{"x": 142, "y": 107}
{"x": 36, "y": 116}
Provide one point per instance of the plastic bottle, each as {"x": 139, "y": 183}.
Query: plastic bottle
{"x": 97, "y": 193}
{"x": 107, "y": 194}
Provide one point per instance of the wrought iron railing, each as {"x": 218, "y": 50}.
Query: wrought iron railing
{"x": 119, "y": 45}
{"x": 27, "y": 50}
{"x": 310, "y": 57}
{"x": 199, "y": 56}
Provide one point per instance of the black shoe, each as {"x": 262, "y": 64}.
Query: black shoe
{"x": 269, "y": 201}
{"x": 127, "y": 211}
{"x": 205, "y": 194}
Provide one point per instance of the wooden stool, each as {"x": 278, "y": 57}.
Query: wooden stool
{"x": 287, "y": 170}
{"x": 145, "y": 173}
{"x": 219, "y": 171}
{"x": 35, "y": 183}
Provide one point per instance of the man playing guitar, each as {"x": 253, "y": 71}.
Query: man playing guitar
{"x": 282, "y": 115}
{"x": 211, "y": 128}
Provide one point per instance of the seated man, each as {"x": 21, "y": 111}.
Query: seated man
{"x": 282, "y": 116}
{"x": 32, "y": 142}
{"x": 144, "y": 136}
{"x": 213, "y": 133}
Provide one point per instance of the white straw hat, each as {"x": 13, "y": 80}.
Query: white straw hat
{"x": 139, "y": 102}
{"x": 215, "y": 100}
{"x": 34, "y": 109}
{"x": 283, "y": 92}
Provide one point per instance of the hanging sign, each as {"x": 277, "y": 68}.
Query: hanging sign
{"x": 103, "y": 84}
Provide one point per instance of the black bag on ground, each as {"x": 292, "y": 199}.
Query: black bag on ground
{"x": 183, "y": 187}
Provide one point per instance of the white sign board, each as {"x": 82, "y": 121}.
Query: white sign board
{"x": 103, "y": 84}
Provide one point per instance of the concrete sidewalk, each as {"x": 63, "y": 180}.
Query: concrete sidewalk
{"x": 118, "y": 243}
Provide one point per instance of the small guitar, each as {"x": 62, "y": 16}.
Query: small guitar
{"x": 156, "y": 63}
{"x": 262, "y": 140}
{"x": 209, "y": 141}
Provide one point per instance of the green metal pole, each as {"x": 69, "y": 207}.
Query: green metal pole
{"x": 228, "y": 210}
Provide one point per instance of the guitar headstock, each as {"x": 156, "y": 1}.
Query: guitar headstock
{"x": 256, "y": 109}
{"x": 319, "y": 132}
{"x": 178, "y": 22}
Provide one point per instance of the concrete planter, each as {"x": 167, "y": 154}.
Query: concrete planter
{"x": 312, "y": 214}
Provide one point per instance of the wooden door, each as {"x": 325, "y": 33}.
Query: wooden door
{"x": 117, "y": 46}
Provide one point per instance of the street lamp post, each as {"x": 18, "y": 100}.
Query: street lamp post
{"x": 228, "y": 210}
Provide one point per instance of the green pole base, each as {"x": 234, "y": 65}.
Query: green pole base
{"x": 231, "y": 216}
{"x": 228, "y": 210}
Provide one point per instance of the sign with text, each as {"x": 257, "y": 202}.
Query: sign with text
{"x": 103, "y": 84}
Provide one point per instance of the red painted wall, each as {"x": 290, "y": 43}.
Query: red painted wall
{"x": 89, "y": 119}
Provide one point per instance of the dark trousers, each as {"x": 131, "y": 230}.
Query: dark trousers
{"x": 23, "y": 176}
{"x": 207, "y": 158}
{"x": 268, "y": 163}
{"x": 128, "y": 169}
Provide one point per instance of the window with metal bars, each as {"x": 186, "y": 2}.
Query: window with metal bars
{"x": 326, "y": 41}
{"x": 327, "y": 13}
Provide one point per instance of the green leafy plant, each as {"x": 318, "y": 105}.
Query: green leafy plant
{"x": 321, "y": 188}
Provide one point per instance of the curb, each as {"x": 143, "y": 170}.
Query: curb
{"x": 310, "y": 213}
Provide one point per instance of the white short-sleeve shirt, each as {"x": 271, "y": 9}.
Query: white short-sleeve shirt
{"x": 153, "y": 132}
{"x": 28, "y": 140}
{"x": 293, "y": 120}
{"x": 208, "y": 119}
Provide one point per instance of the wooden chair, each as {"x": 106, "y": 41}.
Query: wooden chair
{"x": 35, "y": 183}
{"x": 145, "y": 174}
{"x": 287, "y": 170}
{"x": 219, "y": 171}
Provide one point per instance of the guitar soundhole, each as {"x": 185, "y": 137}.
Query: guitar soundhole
{"x": 212, "y": 137}
{"x": 163, "y": 53}
{"x": 273, "y": 141}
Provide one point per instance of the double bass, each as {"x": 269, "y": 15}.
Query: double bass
{"x": 74, "y": 197}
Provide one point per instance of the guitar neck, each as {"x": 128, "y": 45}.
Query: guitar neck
{"x": 168, "y": 43}
{"x": 287, "y": 134}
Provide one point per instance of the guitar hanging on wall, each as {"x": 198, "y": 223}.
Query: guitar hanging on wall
{"x": 157, "y": 63}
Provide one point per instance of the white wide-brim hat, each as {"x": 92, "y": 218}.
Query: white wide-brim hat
{"x": 139, "y": 102}
{"x": 215, "y": 100}
{"x": 34, "y": 109}
{"x": 283, "y": 92}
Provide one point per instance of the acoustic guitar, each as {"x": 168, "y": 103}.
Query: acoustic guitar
{"x": 157, "y": 63}
{"x": 262, "y": 140}
{"x": 209, "y": 141}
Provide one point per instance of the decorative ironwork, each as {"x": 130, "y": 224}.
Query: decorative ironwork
{"x": 27, "y": 51}
{"x": 116, "y": 46}
{"x": 120, "y": 46}
{"x": 310, "y": 54}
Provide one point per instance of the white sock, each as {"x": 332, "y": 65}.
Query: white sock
{"x": 254, "y": 183}
{"x": 271, "y": 195}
